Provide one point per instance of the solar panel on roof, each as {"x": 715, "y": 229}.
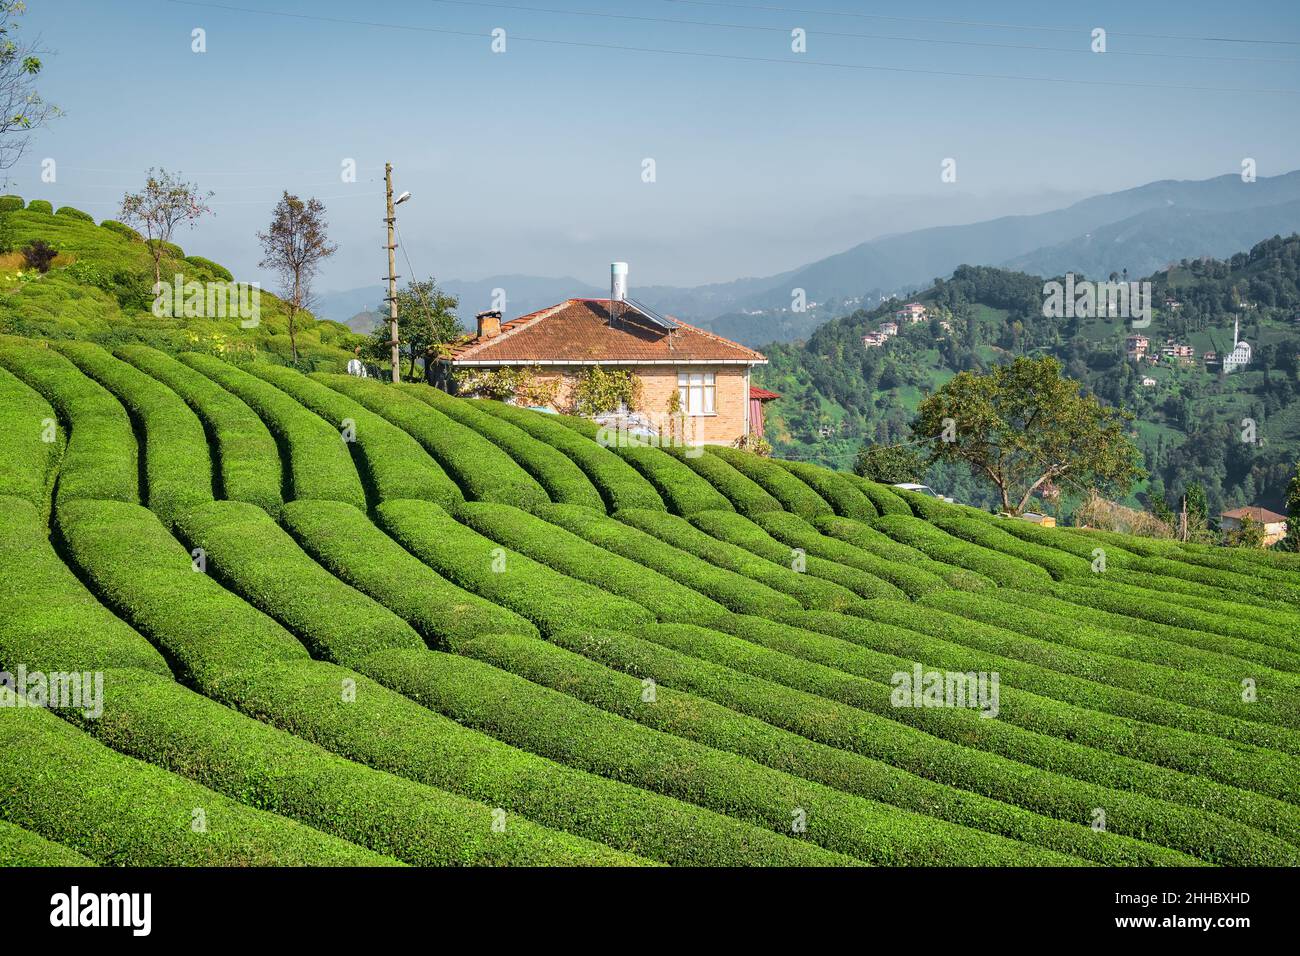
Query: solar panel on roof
{"x": 655, "y": 318}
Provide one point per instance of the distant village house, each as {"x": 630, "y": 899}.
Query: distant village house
{"x": 1274, "y": 523}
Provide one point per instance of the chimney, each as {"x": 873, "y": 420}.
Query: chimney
{"x": 618, "y": 282}
{"x": 489, "y": 324}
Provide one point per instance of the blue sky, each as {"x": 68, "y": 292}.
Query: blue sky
{"x": 530, "y": 161}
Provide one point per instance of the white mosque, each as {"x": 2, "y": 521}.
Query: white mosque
{"x": 1239, "y": 357}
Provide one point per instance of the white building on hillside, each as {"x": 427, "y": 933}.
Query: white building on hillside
{"x": 1240, "y": 355}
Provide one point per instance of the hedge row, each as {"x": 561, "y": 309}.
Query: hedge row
{"x": 682, "y": 490}
{"x": 556, "y": 725}
{"x": 549, "y": 599}
{"x": 886, "y": 500}
{"x": 261, "y": 670}
{"x": 99, "y": 459}
{"x": 248, "y": 552}
{"x": 59, "y": 782}
{"x": 121, "y": 229}
{"x": 794, "y": 495}
{"x": 344, "y": 541}
{"x": 220, "y": 271}
{"x": 1269, "y": 558}
{"x": 11, "y": 203}
{"x": 939, "y": 744}
{"x": 72, "y": 213}
{"x": 187, "y": 734}
{"x": 248, "y": 462}
{"x": 482, "y": 470}
{"x": 942, "y": 546}
{"x": 985, "y": 534}
{"x": 19, "y": 847}
{"x": 41, "y": 205}
{"x": 28, "y": 463}
{"x": 1121, "y": 623}
{"x": 678, "y": 532}
{"x": 746, "y": 495}
{"x": 391, "y": 463}
{"x": 795, "y": 532}
{"x": 841, "y": 493}
{"x": 1062, "y": 540}
{"x": 178, "y": 471}
{"x": 733, "y": 591}
{"x": 1159, "y": 668}
{"x": 711, "y": 724}
{"x": 1247, "y": 581}
{"x": 740, "y": 531}
{"x": 45, "y": 610}
{"x": 563, "y": 480}
{"x": 569, "y": 554}
{"x": 1273, "y": 623}
{"x": 868, "y": 539}
{"x": 317, "y": 458}
{"x": 620, "y": 485}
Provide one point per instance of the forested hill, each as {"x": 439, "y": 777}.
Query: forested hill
{"x": 838, "y": 393}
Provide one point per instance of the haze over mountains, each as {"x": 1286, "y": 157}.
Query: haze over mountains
{"x": 1140, "y": 229}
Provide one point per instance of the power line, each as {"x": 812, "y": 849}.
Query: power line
{"x": 741, "y": 58}
{"x": 859, "y": 36}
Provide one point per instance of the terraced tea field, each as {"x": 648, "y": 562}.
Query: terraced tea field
{"x": 319, "y": 620}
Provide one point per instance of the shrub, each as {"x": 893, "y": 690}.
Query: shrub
{"x": 220, "y": 271}
{"x": 1116, "y": 556}
{"x": 836, "y": 489}
{"x": 121, "y": 229}
{"x": 39, "y": 254}
{"x": 733, "y": 591}
{"x": 344, "y": 541}
{"x": 682, "y": 490}
{"x": 940, "y": 545}
{"x": 317, "y": 457}
{"x": 41, "y": 205}
{"x": 562, "y": 479}
{"x": 875, "y": 542}
{"x": 569, "y": 554}
{"x": 28, "y": 463}
{"x": 794, "y": 495}
{"x": 72, "y": 213}
{"x": 248, "y": 462}
{"x": 732, "y": 729}
{"x": 742, "y": 532}
{"x": 178, "y": 471}
{"x": 553, "y": 724}
{"x": 619, "y": 484}
{"x": 795, "y": 532}
{"x": 19, "y": 847}
{"x": 482, "y": 470}
{"x": 745, "y": 494}
{"x": 391, "y": 463}
{"x": 11, "y": 203}
{"x": 170, "y": 249}
{"x": 987, "y": 535}
{"x": 939, "y": 744}
{"x": 119, "y": 811}
{"x": 251, "y": 554}
{"x": 886, "y": 500}
{"x": 99, "y": 460}
{"x": 596, "y": 390}
{"x": 48, "y": 620}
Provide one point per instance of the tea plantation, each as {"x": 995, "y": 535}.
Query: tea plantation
{"x": 337, "y": 622}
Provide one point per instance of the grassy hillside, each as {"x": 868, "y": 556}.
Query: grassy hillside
{"x": 365, "y": 625}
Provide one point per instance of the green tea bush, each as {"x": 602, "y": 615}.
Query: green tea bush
{"x": 178, "y": 471}
{"x": 318, "y": 462}
{"x": 255, "y": 557}
{"x": 121, "y": 229}
{"x": 836, "y": 489}
{"x": 620, "y": 485}
{"x": 733, "y": 591}
{"x": 569, "y": 554}
{"x": 554, "y": 471}
{"x": 995, "y": 538}
{"x": 746, "y": 495}
{"x": 28, "y": 462}
{"x": 219, "y": 271}
{"x": 344, "y": 541}
{"x": 795, "y": 495}
{"x": 42, "y": 206}
{"x": 866, "y": 538}
{"x": 74, "y": 214}
{"x": 680, "y": 533}
{"x": 10, "y": 203}
{"x": 248, "y": 462}
{"x": 549, "y": 599}
{"x": 19, "y": 847}
{"x": 740, "y": 531}
{"x": 391, "y": 463}
{"x": 482, "y": 470}
{"x": 99, "y": 459}
{"x": 938, "y": 544}
{"x": 886, "y": 500}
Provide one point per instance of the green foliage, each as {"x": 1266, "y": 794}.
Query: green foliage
{"x": 10, "y": 203}
{"x": 125, "y": 231}
{"x": 838, "y": 490}
{"x": 996, "y": 538}
{"x": 746, "y": 495}
{"x": 74, "y": 213}
{"x": 942, "y": 546}
{"x": 426, "y": 326}
{"x": 794, "y": 495}
{"x": 19, "y": 847}
{"x": 41, "y": 206}
{"x": 885, "y": 500}
{"x": 889, "y": 464}
{"x": 39, "y": 254}
{"x": 876, "y": 542}
{"x": 596, "y": 390}
{"x": 30, "y": 443}
{"x": 217, "y": 271}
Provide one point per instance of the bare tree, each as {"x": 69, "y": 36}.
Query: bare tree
{"x": 165, "y": 202}
{"x": 295, "y": 246}
{"x": 21, "y": 108}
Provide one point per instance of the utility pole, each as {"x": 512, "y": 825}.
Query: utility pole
{"x": 392, "y": 274}
{"x": 1182, "y": 524}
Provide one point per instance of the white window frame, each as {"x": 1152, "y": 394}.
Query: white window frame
{"x": 698, "y": 393}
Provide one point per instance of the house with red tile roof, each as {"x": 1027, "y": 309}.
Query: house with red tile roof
{"x": 682, "y": 370}
{"x": 1274, "y": 523}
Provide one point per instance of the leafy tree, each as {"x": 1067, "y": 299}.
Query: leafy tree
{"x": 889, "y": 464}
{"x": 294, "y": 246}
{"x": 21, "y": 108}
{"x": 1248, "y": 534}
{"x": 38, "y": 254}
{"x": 1023, "y": 425}
{"x": 426, "y": 324}
{"x": 166, "y": 202}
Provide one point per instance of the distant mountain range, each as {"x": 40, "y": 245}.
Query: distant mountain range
{"x": 1140, "y": 229}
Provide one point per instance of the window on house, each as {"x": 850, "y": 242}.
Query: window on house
{"x": 697, "y": 391}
